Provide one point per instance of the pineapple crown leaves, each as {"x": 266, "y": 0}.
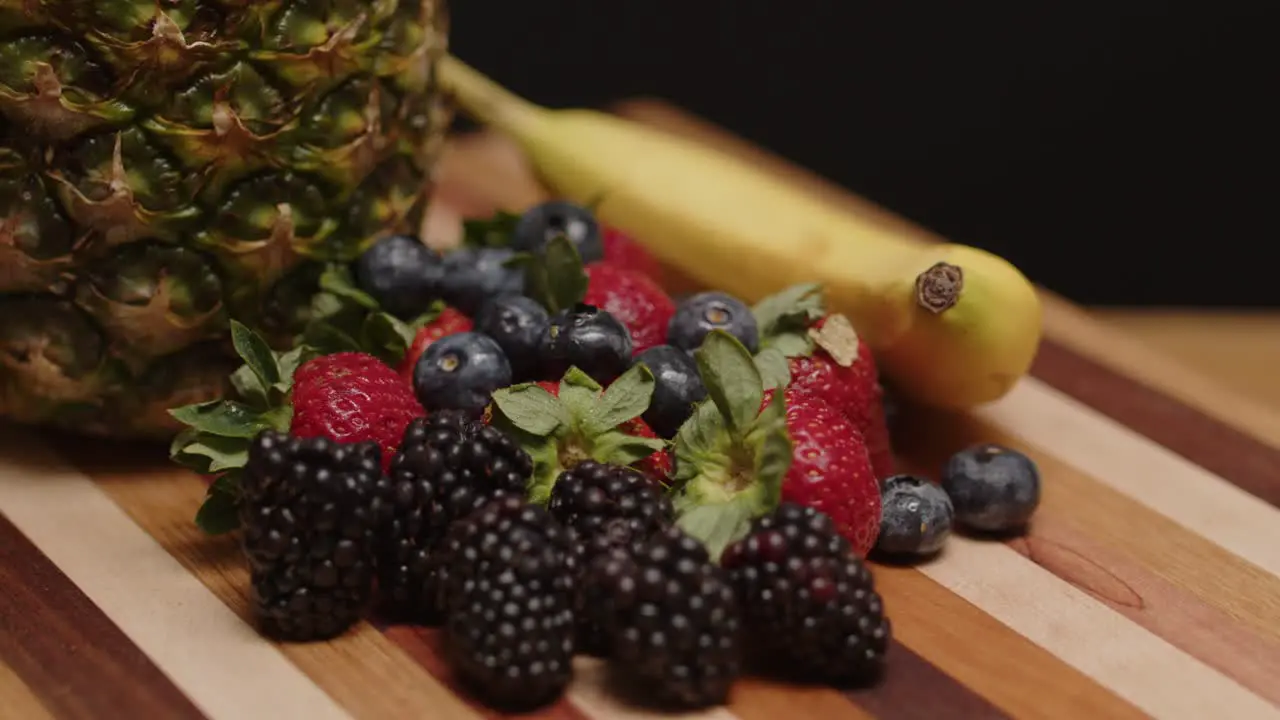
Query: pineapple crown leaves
{"x": 788, "y": 324}
{"x": 581, "y": 421}
{"x": 218, "y": 433}
{"x": 347, "y": 319}
{"x": 732, "y": 455}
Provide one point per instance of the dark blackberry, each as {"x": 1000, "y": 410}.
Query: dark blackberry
{"x": 447, "y": 466}
{"x": 309, "y": 512}
{"x": 606, "y": 506}
{"x": 508, "y": 586}
{"x": 807, "y": 600}
{"x": 672, "y": 620}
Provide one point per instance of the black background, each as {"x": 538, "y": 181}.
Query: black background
{"x": 1120, "y": 153}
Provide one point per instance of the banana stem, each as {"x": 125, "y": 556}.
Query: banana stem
{"x": 484, "y": 99}
{"x": 938, "y": 288}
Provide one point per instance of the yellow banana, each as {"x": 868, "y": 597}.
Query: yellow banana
{"x": 954, "y": 326}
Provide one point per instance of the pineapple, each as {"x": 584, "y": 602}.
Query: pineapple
{"x": 169, "y": 165}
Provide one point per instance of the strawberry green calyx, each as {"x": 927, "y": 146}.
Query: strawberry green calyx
{"x": 731, "y": 455}
{"x": 347, "y": 319}
{"x": 555, "y": 277}
{"x": 580, "y": 421}
{"x": 795, "y": 323}
{"x": 216, "y": 441}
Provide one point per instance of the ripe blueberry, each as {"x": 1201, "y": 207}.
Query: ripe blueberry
{"x": 588, "y": 338}
{"x": 472, "y": 275}
{"x": 993, "y": 488}
{"x": 707, "y": 311}
{"x": 517, "y": 323}
{"x": 542, "y": 222}
{"x": 401, "y": 273}
{"x": 460, "y": 372}
{"x": 915, "y": 518}
{"x": 678, "y": 387}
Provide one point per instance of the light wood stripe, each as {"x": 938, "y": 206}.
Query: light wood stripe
{"x": 1184, "y": 588}
{"x": 1103, "y": 644}
{"x": 18, "y": 700}
{"x": 1007, "y": 669}
{"x": 1139, "y": 468}
{"x": 162, "y": 500}
{"x": 217, "y": 660}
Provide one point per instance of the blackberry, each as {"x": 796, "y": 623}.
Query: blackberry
{"x": 508, "y": 586}
{"x": 671, "y": 618}
{"x": 308, "y": 510}
{"x": 808, "y": 601}
{"x": 606, "y": 507}
{"x": 447, "y": 466}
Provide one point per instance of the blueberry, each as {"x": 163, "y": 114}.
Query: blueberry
{"x": 542, "y": 222}
{"x": 401, "y": 273}
{"x": 473, "y": 275}
{"x": 460, "y": 372}
{"x": 586, "y": 337}
{"x": 517, "y": 323}
{"x": 700, "y": 314}
{"x": 916, "y": 516}
{"x": 678, "y": 387}
{"x": 993, "y": 488}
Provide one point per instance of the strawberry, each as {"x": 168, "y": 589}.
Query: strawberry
{"x": 635, "y": 299}
{"x": 352, "y": 397}
{"x": 449, "y": 322}
{"x": 830, "y": 468}
{"x": 562, "y": 424}
{"x": 749, "y": 447}
{"x": 826, "y": 358}
{"x": 622, "y": 250}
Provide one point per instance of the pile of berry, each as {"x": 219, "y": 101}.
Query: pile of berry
{"x": 528, "y": 444}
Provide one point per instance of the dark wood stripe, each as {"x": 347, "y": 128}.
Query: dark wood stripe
{"x": 75, "y": 660}
{"x": 1245, "y": 461}
{"x": 915, "y": 689}
{"x": 423, "y": 645}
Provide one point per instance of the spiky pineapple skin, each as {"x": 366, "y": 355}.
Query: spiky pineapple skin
{"x": 166, "y": 165}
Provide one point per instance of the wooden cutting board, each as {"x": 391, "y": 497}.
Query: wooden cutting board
{"x": 1149, "y": 584}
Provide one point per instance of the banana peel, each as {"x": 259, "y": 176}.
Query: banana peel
{"x": 953, "y": 326}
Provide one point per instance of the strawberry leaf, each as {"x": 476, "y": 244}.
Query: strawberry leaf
{"x": 222, "y": 453}
{"x": 698, "y": 440}
{"x": 220, "y": 513}
{"x": 495, "y": 231}
{"x": 784, "y": 318}
{"x": 531, "y": 409}
{"x": 222, "y": 418}
{"x": 255, "y": 352}
{"x": 578, "y": 391}
{"x": 555, "y": 276}
{"x": 732, "y": 379}
{"x": 336, "y": 280}
{"x": 619, "y": 448}
{"x": 719, "y": 526}
{"x": 625, "y": 399}
{"x": 774, "y": 370}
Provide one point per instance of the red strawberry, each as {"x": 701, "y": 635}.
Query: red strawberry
{"x": 635, "y": 299}
{"x": 826, "y": 357}
{"x": 751, "y": 449}
{"x": 621, "y": 250}
{"x": 352, "y": 397}
{"x": 448, "y": 322}
{"x": 658, "y": 465}
{"x": 853, "y": 389}
{"x": 830, "y": 469}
